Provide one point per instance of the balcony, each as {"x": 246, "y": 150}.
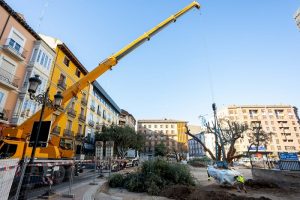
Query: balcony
{"x": 81, "y": 118}
{"x": 79, "y": 136}
{"x": 72, "y": 112}
{"x": 56, "y": 130}
{"x": 61, "y": 84}
{"x": 91, "y": 123}
{"x": 9, "y": 79}
{"x": 68, "y": 133}
{"x": 83, "y": 101}
{"x": 93, "y": 108}
{"x": 4, "y": 115}
{"x": 15, "y": 49}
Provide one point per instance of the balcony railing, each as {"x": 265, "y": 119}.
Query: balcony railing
{"x": 72, "y": 112}
{"x": 56, "y": 130}
{"x": 81, "y": 118}
{"x": 15, "y": 49}
{"x": 91, "y": 123}
{"x": 9, "y": 78}
{"x": 83, "y": 101}
{"x": 92, "y": 107}
{"x": 4, "y": 114}
{"x": 62, "y": 84}
{"x": 79, "y": 136}
{"x": 68, "y": 133}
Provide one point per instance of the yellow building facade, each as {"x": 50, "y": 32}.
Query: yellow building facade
{"x": 66, "y": 71}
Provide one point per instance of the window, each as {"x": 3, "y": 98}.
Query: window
{"x": 272, "y": 122}
{"x": 167, "y": 126}
{"x": 69, "y": 124}
{"x": 161, "y": 126}
{"x": 77, "y": 73}
{"x": 66, "y": 61}
{"x": 16, "y": 40}
{"x": 274, "y": 129}
{"x": 9, "y": 67}
{"x": 295, "y": 128}
{"x": 62, "y": 78}
{"x": 277, "y": 141}
{"x": 149, "y": 126}
{"x": 155, "y": 126}
{"x": 79, "y": 128}
{"x": 266, "y": 123}
{"x": 33, "y": 55}
{"x": 279, "y": 148}
{"x": 290, "y": 140}
{"x": 42, "y": 59}
{"x": 293, "y": 122}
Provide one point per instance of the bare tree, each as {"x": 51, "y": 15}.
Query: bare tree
{"x": 258, "y": 137}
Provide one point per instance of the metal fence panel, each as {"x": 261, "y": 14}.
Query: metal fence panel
{"x": 289, "y": 165}
{"x": 7, "y": 173}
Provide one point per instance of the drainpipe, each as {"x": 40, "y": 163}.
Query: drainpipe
{"x": 4, "y": 27}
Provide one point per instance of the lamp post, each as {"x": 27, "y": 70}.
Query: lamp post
{"x": 44, "y": 100}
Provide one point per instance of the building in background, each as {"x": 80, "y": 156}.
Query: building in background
{"x": 196, "y": 150}
{"x": 126, "y": 118}
{"x": 40, "y": 64}
{"x": 17, "y": 41}
{"x": 282, "y": 120}
{"x": 101, "y": 111}
{"x": 167, "y": 131}
{"x": 67, "y": 70}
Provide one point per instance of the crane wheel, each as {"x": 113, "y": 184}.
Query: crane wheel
{"x": 59, "y": 175}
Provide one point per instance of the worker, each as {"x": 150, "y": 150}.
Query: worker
{"x": 240, "y": 183}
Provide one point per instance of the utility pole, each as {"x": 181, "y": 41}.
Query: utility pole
{"x": 214, "y": 107}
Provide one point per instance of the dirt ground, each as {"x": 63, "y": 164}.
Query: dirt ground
{"x": 271, "y": 193}
{"x": 204, "y": 190}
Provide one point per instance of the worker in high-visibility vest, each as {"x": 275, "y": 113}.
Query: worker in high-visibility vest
{"x": 240, "y": 183}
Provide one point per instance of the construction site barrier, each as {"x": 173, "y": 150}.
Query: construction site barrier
{"x": 289, "y": 165}
{"x": 8, "y": 169}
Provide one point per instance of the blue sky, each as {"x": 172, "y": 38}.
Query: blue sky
{"x": 229, "y": 52}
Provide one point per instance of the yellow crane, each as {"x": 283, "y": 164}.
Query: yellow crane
{"x": 15, "y": 145}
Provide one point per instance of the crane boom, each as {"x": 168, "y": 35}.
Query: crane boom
{"x": 25, "y": 128}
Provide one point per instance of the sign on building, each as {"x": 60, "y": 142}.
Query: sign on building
{"x": 109, "y": 149}
{"x": 288, "y": 156}
{"x": 99, "y": 150}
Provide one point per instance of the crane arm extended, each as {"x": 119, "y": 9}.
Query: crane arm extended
{"x": 25, "y": 128}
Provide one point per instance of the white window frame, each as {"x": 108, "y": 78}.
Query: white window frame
{"x": 2, "y": 103}
{"x": 13, "y": 29}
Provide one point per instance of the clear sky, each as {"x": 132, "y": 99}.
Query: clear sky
{"x": 229, "y": 52}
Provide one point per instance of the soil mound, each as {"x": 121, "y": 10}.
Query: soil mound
{"x": 259, "y": 184}
{"x": 182, "y": 192}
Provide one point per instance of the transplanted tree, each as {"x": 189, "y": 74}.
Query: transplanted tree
{"x": 180, "y": 152}
{"x": 123, "y": 137}
{"x": 228, "y": 133}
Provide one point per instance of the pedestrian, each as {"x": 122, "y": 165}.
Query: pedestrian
{"x": 240, "y": 183}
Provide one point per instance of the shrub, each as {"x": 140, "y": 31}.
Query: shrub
{"x": 134, "y": 182}
{"x": 154, "y": 176}
{"x": 116, "y": 180}
{"x": 200, "y": 162}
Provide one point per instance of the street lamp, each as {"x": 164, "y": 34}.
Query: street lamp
{"x": 44, "y": 100}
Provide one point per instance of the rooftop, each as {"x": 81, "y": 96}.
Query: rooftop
{"x": 161, "y": 121}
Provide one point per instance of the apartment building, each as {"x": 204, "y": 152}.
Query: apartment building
{"x": 195, "y": 149}
{"x": 282, "y": 120}
{"x": 101, "y": 111}
{"x": 126, "y": 119}
{"x": 67, "y": 70}
{"x": 17, "y": 40}
{"x": 167, "y": 131}
{"x": 40, "y": 64}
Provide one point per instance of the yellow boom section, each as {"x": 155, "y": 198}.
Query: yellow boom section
{"x": 24, "y": 129}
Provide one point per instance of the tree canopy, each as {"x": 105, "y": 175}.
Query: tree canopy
{"x": 123, "y": 137}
